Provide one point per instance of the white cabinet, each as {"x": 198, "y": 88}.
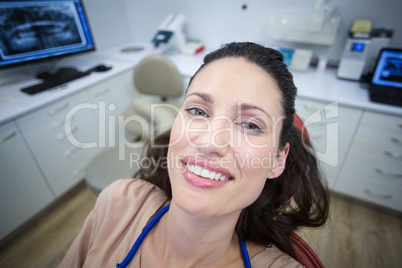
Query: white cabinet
{"x": 112, "y": 97}
{"x": 66, "y": 135}
{"x": 365, "y": 146}
{"x": 44, "y": 154}
{"x": 57, "y": 135}
{"x": 23, "y": 190}
{"x": 373, "y": 167}
{"x": 331, "y": 127}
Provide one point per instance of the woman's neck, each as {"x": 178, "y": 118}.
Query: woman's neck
{"x": 180, "y": 239}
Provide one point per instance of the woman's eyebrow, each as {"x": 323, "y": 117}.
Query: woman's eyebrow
{"x": 204, "y": 96}
{"x": 247, "y": 106}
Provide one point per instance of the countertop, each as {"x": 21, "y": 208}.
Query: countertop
{"x": 316, "y": 84}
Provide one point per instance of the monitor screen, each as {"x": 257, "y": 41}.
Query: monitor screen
{"x": 388, "y": 71}
{"x": 357, "y": 47}
{"x": 37, "y": 30}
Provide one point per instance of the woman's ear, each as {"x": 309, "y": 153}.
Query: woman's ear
{"x": 279, "y": 165}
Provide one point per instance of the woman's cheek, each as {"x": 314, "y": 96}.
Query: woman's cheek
{"x": 254, "y": 162}
{"x": 177, "y": 131}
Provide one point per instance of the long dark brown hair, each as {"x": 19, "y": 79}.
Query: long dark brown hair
{"x": 296, "y": 198}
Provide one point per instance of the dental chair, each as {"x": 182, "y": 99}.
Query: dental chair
{"x": 155, "y": 75}
{"x": 157, "y": 78}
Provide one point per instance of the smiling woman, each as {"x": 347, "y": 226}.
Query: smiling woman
{"x": 237, "y": 177}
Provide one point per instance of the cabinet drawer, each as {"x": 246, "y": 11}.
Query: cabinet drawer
{"x": 376, "y": 168}
{"x": 49, "y": 120}
{"x": 82, "y": 129}
{"x": 379, "y": 141}
{"x": 347, "y": 118}
{"x": 382, "y": 121}
{"x": 334, "y": 142}
{"x": 64, "y": 170}
{"x": 377, "y": 193}
{"x": 82, "y": 135}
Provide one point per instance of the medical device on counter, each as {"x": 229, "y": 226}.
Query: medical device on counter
{"x": 361, "y": 49}
{"x": 296, "y": 59}
{"x": 170, "y": 33}
{"x": 318, "y": 28}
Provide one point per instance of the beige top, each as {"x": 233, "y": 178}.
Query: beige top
{"x": 121, "y": 211}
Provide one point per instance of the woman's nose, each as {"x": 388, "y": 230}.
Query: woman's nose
{"x": 215, "y": 138}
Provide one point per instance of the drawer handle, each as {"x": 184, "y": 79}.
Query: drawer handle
{"x": 383, "y": 196}
{"x": 63, "y": 136}
{"x": 70, "y": 152}
{"x": 320, "y": 123}
{"x": 76, "y": 173}
{"x": 55, "y": 111}
{"x": 100, "y": 93}
{"x": 9, "y": 136}
{"x": 57, "y": 124}
{"x": 310, "y": 108}
{"x": 314, "y": 108}
{"x": 382, "y": 172}
{"x": 393, "y": 155}
{"x": 393, "y": 139}
{"x": 60, "y": 123}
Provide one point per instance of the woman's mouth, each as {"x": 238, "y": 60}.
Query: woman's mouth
{"x": 206, "y": 173}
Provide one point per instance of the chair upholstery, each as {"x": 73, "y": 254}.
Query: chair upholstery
{"x": 304, "y": 254}
{"x": 155, "y": 75}
{"x": 158, "y": 75}
{"x": 299, "y": 124}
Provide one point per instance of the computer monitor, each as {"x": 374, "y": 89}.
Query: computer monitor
{"x": 42, "y": 29}
{"x": 388, "y": 71}
{"x": 386, "y": 84}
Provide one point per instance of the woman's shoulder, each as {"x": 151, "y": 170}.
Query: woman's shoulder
{"x": 130, "y": 186}
{"x": 130, "y": 192}
{"x": 272, "y": 256}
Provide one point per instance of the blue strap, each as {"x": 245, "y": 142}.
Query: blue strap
{"x": 244, "y": 252}
{"x": 148, "y": 228}
{"x": 142, "y": 236}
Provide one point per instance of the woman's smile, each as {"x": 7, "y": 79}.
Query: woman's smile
{"x": 205, "y": 174}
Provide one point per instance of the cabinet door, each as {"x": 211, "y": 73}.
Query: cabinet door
{"x": 331, "y": 127}
{"x": 23, "y": 190}
{"x": 112, "y": 98}
{"x": 59, "y": 139}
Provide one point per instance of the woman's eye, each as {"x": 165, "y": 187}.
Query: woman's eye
{"x": 251, "y": 126}
{"x": 196, "y": 112}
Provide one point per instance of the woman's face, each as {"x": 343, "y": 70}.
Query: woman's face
{"x": 224, "y": 142}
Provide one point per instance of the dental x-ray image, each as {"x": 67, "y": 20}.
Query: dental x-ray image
{"x": 38, "y": 28}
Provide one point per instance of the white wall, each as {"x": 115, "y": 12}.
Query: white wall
{"x": 219, "y": 21}
{"x": 108, "y": 21}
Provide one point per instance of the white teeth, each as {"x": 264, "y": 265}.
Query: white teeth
{"x": 197, "y": 170}
{"x": 191, "y": 168}
{"x": 205, "y": 173}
